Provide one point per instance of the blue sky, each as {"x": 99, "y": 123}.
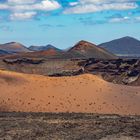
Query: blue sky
{"x": 64, "y": 22}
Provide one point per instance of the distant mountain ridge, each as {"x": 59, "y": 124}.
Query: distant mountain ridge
{"x": 13, "y": 47}
{"x": 43, "y": 48}
{"x": 125, "y": 46}
{"x": 81, "y": 50}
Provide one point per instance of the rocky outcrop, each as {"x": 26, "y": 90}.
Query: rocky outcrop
{"x": 119, "y": 71}
{"x": 23, "y": 60}
{"x": 68, "y": 73}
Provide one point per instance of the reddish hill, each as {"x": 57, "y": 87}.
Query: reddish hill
{"x": 35, "y": 54}
{"x": 90, "y": 50}
{"x": 43, "y": 53}
{"x": 13, "y": 47}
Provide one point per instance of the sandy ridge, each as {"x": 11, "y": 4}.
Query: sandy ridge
{"x": 84, "y": 93}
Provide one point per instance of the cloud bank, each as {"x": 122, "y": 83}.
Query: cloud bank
{"x": 28, "y": 9}
{"x": 89, "y": 6}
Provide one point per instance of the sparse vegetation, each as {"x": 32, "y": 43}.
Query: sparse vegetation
{"x": 69, "y": 126}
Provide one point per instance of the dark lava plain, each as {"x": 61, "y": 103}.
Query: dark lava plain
{"x": 68, "y": 126}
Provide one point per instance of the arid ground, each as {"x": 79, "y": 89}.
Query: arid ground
{"x": 49, "y": 126}
{"x": 65, "y": 97}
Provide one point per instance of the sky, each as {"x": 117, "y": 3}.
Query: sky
{"x": 63, "y": 23}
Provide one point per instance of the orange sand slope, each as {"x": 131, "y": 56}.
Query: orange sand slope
{"x": 84, "y": 93}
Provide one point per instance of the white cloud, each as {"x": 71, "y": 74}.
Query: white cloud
{"x": 137, "y": 19}
{"x": 46, "y": 5}
{"x": 21, "y": 1}
{"x": 119, "y": 19}
{"x": 87, "y": 6}
{"x": 4, "y": 6}
{"x": 26, "y": 8}
{"x": 22, "y": 16}
{"x": 73, "y": 3}
{"x": 105, "y": 1}
{"x": 125, "y": 19}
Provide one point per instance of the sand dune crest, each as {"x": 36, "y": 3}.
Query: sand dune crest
{"x": 84, "y": 93}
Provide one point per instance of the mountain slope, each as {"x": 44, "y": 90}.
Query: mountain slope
{"x": 123, "y": 46}
{"x": 13, "y": 47}
{"x": 89, "y": 50}
{"x": 2, "y": 52}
